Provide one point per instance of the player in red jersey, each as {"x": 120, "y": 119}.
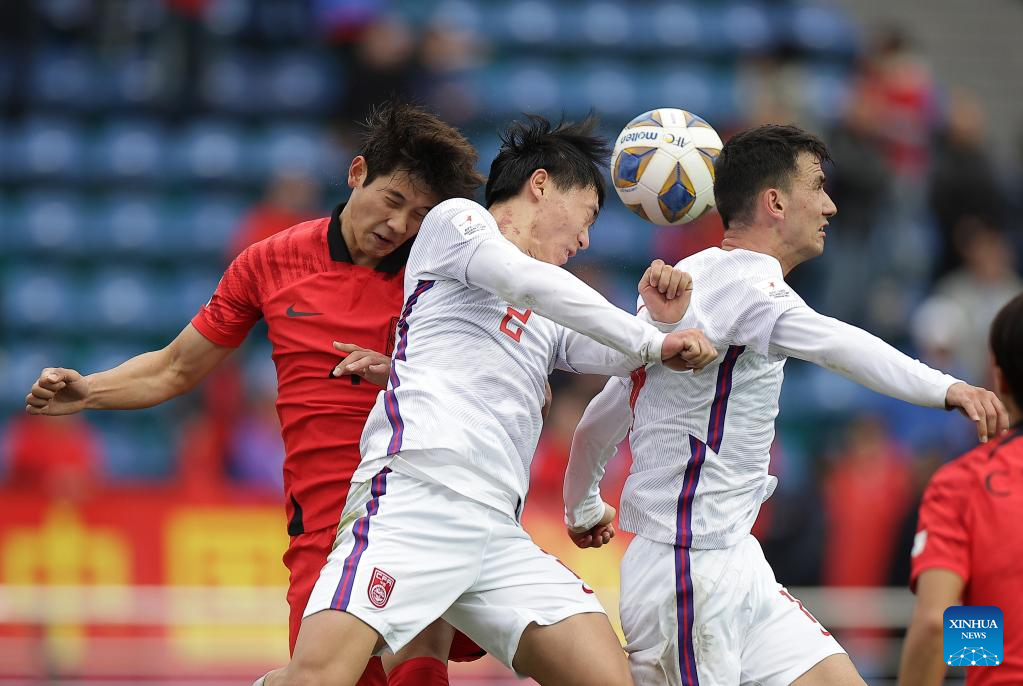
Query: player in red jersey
{"x": 336, "y": 278}
{"x": 967, "y": 548}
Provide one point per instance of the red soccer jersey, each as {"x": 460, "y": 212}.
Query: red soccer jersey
{"x": 302, "y": 281}
{"x": 970, "y": 524}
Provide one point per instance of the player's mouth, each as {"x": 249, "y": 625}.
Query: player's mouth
{"x": 383, "y": 241}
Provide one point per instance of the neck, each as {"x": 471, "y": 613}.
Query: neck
{"x": 756, "y": 239}
{"x": 348, "y": 234}
{"x": 1015, "y": 416}
{"x": 515, "y": 222}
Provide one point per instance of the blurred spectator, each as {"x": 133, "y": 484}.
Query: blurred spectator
{"x": 964, "y": 183}
{"x": 53, "y": 456}
{"x": 900, "y": 87}
{"x": 255, "y": 451}
{"x": 867, "y": 493}
{"x": 290, "y": 199}
{"x": 860, "y": 183}
{"x": 974, "y": 292}
{"x": 203, "y": 448}
{"x": 446, "y": 59}
{"x": 378, "y": 64}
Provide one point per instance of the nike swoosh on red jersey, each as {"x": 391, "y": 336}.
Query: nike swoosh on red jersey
{"x": 292, "y": 312}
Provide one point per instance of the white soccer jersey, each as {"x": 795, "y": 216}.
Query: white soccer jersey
{"x": 700, "y": 442}
{"x": 462, "y": 406}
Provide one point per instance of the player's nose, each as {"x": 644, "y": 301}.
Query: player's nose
{"x": 584, "y": 239}
{"x": 399, "y": 223}
{"x": 830, "y": 209}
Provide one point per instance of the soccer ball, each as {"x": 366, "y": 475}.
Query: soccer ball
{"x": 663, "y": 166}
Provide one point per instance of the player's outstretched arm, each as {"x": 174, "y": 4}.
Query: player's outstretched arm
{"x": 501, "y": 269}
{"x": 922, "y": 663}
{"x": 857, "y": 355}
{"x": 143, "y": 381}
{"x": 603, "y": 425}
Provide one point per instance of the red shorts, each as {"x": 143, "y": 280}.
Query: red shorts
{"x": 305, "y": 557}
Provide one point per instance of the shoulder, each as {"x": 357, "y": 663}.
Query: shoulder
{"x": 956, "y": 479}
{"x": 304, "y": 237}
{"x": 467, "y": 219}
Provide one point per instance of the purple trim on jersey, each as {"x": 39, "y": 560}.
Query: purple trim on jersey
{"x": 684, "y": 609}
{"x": 343, "y": 594}
{"x": 390, "y": 399}
{"x": 716, "y": 430}
{"x": 684, "y": 602}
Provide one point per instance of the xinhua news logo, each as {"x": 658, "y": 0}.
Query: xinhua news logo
{"x": 972, "y": 636}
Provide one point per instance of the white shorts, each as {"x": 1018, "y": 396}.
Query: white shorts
{"x": 714, "y": 618}
{"x": 410, "y": 551}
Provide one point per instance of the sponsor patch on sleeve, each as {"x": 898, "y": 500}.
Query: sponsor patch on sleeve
{"x": 775, "y": 288}
{"x": 470, "y": 223}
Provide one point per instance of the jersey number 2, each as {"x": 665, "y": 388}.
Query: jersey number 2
{"x": 520, "y": 321}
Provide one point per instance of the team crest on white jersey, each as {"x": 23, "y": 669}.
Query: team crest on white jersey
{"x": 470, "y": 223}
{"x": 380, "y": 586}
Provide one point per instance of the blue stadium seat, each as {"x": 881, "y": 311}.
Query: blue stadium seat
{"x": 285, "y": 147}
{"x": 202, "y": 226}
{"x": 457, "y": 15}
{"x": 132, "y": 82}
{"x": 678, "y": 27}
{"x": 45, "y": 148}
{"x": 127, "y": 301}
{"x": 685, "y": 86}
{"x": 525, "y": 86}
{"x": 525, "y": 23}
{"x": 747, "y": 28}
{"x": 39, "y": 299}
{"x": 227, "y": 18}
{"x": 231, "y": 82}
{"x": 820, "y": 28}
{"x": 612, "y": 88}
{"x": 825, "y": 91}
{"x": 296, "y": 82}
{"x": 48, "y": 223}
{"x": 67, "y": 78}
{"x": 209, "y": 150}
{"x": 129, "y": 224}
{"x": 283, "y": 21}
{"x": 602, "y": 26}
{"x": 127, "y": 150}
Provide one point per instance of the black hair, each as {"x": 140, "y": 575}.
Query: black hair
{"x": 756, "y": 159}
{"x": 400, "y": 136}
{"x": 570, "y": 152}
{"x": 1006, "y": 342}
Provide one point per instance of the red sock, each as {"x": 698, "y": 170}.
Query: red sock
{"x": 419, "y": 671}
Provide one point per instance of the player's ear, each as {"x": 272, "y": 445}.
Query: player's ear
{"x": 774, "y": 203}
{"x": 539, "y": 182}
{"x": 357, "y": 171}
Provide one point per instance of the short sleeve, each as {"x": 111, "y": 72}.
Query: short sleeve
{"x": 449, "y": 237}
{"x": 942, "y": 538}
{"x": 235, "y": 306}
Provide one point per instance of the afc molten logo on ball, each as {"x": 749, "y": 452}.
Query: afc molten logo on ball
{"x": 380, "y": 586}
